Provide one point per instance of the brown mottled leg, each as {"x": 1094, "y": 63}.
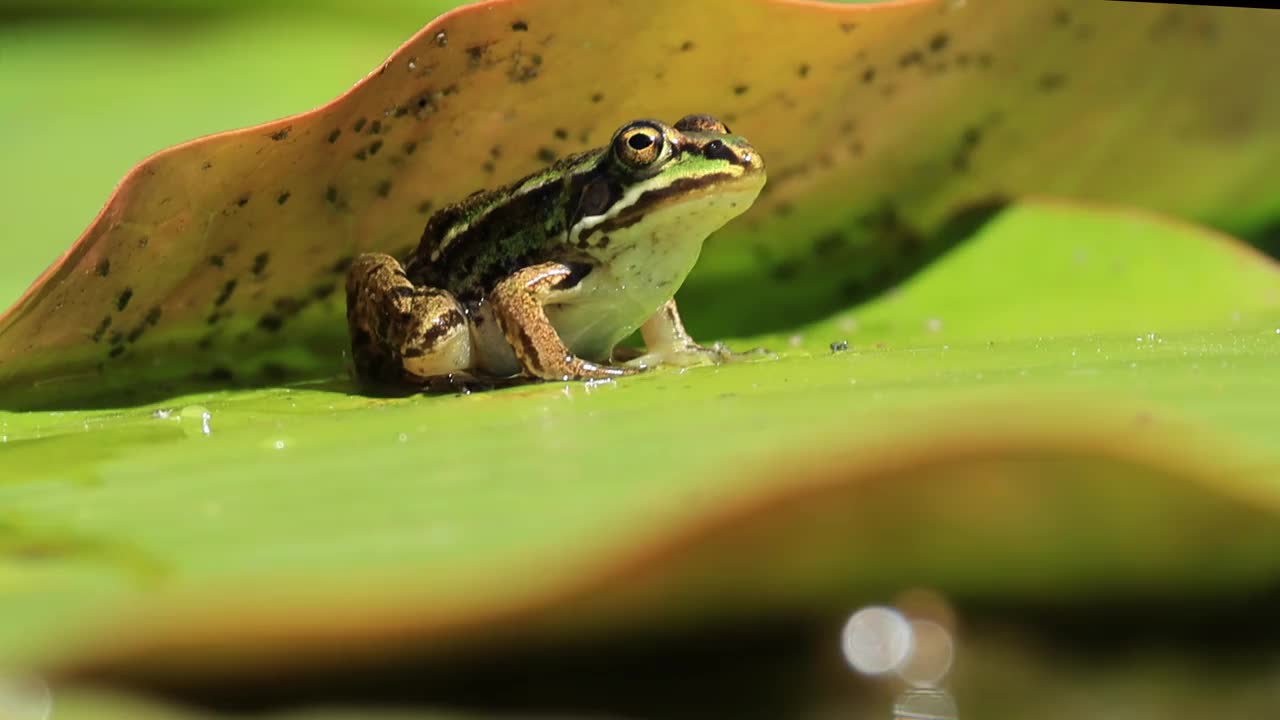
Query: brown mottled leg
{"x": 669, "y": 343}
{"x": 518, "y": 304}
{"x": 401, "y": 333}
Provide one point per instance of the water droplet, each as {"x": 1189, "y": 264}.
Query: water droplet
{"x": 933, "y": 325}
{"x": 162, "y": 414}
{"x": 441, "y": 39}
{"x": 279, "y": 445}
{"x": 196, "y": 417}
{"x": 403, "y": 437}
{"x": 24, "y": 697}
{"x": 1278, "y": 331}
{"x": 932, "y": 652}
{"x": 925, "y": 704}
{"x": 795, "y": 340}
{"x": 876, "y": 640}
{"x": 413, "y": 63}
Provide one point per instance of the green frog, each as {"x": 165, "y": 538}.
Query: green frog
{"x": 545, "y": 277}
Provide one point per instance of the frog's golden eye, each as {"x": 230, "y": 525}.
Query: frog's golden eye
{"x": 701, "y": 123}
{"x": 639, "y": 145}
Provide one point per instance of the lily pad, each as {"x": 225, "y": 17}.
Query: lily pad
{"x": 970, "y": 442}
{"x": 883, "y": 125}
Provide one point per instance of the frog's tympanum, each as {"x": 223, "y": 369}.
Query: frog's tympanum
{"x": 545, "y": 276}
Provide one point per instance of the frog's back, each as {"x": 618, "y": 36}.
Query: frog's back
{"x": 469, "y": 245}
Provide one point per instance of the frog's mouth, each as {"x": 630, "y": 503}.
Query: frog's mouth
{"x": 742, "y": 182}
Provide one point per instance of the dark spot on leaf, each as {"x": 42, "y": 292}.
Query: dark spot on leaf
{"x": 283, "y": 197}
{"x": 375, "y": 127}
{"x": 282, "y": 133}
{"x": 213, "y": 318}
{"x": 597, "y": 97}
{"x": 116, "y": 351}
{"x": 786, "y": 270}
{"x": 225, "y": 293}
{"x": 1050, "y": 82}
{"x": 803, "y": 70}
{"x": 362, "y": 154}
{"x": 153, "y": 316}
{"x": 271, "y": 322}
{"x": 122, "y": 301}
{"x": 102, "y": 329}
{"x": 913, "y": 57}
{"x": 939, "y": 42}
{"x": 829, "y": 244}
{"x": 424, "y": 207}
{"x": 475, "y": 53}
{"x": 117, "y": 338}
{"x": 546, "y": 155}
{"x": 343, "y": 264}
{"x": 488, "y": 166}
{"x": 561, "y": 134}
{"x": 375, "y": 147}
{"x": 206, "y": 165}
{"x": 848, "y": 27}
{"x": 384, "y": 188}
{"x": 103, "y": 268}
{"x": 359, "y": 125}
{"x": 321, "y": 292}
{"x": 331, "y": 195}
{"x": 520, "y": 26}
{"x": 260, "y": 263}
{"x": 740, "y": 89}
{"x": 869, "y": 75}
{"x": 686, "y": 46}
{"x": 333, "y": 136}
{"x": 135, "y": 334}
{"x": 409, "y": 147}
{"x": 243, "y": 200}
{"x": 216, "y": 261}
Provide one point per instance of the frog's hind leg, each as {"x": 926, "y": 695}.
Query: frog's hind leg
{"x": 401, "y": 333}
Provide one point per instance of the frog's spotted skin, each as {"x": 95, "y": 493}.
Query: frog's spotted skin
{"x": 880, "y": 123}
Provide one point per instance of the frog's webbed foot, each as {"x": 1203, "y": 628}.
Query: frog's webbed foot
{"x": 518, "y": 302}
{"x": 400, "y": 333}
{"x": 670, "y": 344}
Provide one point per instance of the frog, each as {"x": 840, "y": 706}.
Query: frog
{"x": 544, "y": 278}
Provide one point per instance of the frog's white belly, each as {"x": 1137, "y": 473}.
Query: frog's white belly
{"x": 640, "y": 269}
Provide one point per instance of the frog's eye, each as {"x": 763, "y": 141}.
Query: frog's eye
{"x": 701, "y": 123}
{"x": 639, "y": 145}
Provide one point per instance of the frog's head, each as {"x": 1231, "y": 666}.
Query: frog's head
{"x": 666, "y": 183}
{"x": 640, "y": 215}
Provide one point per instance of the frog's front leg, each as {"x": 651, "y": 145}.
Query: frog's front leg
{"x": 400, "y": 332}
{"x": 669, "y": 343}
{"x": 518, "y": 302}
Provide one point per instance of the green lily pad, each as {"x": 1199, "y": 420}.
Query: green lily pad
{"x": 882, "y": 125}
{"x": 979, "y": 437}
